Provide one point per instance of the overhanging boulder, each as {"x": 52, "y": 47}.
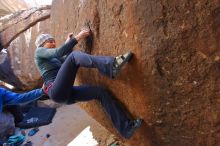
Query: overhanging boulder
{"x": 18, "y": 34}
{"x": 173, "y": 80}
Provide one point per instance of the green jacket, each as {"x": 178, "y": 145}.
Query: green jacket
{"x": 50, "y": 60}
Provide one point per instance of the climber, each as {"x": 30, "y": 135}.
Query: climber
{"x": 58, "y": 67}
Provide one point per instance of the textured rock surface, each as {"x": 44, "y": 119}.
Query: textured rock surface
{"x": 172, "y": 81}
{"x": 18, "y": 34}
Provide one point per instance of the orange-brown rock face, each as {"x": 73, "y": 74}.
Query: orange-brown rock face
{"x": 18, "y": 34}
{"x": 173, "y": 80}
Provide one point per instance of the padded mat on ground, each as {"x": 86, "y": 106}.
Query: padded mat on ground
{"x": 37, "y": 116}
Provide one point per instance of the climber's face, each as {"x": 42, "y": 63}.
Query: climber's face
{"x": 50, "y": 44}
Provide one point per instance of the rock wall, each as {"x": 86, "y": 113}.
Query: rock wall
{"x": 173, "y": 80}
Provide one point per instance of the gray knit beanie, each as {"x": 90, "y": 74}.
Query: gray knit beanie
{"x": 42, "y": 38}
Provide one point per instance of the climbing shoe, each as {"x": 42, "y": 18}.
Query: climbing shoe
{"x": 119, "y": 62}
{"x": 133, "y": 126}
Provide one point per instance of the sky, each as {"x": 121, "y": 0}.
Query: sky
{"x": 35, "y": 3}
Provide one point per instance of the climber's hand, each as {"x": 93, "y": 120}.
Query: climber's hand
{"x": 69, "y": 36}
{"x": 82, "y": 34}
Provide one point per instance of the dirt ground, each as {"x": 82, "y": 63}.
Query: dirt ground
{"x": 71, "y": 126}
